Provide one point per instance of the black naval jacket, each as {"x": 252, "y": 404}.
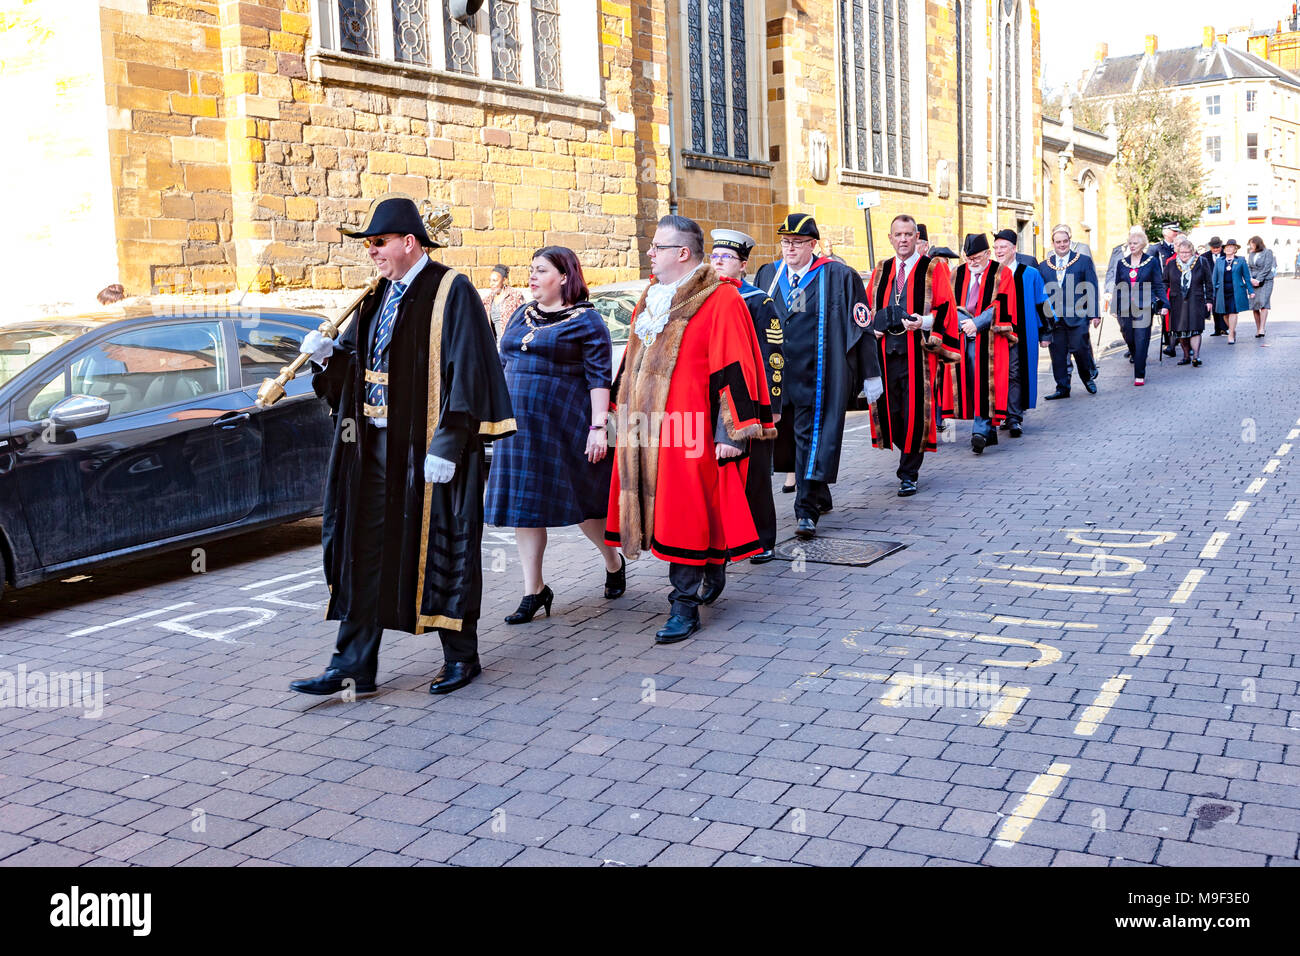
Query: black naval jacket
{"x": 432, "y": 532}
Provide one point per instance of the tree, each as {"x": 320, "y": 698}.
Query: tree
{"x": 1159, "y": 162}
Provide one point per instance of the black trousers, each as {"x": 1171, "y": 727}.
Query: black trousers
{"x": 1070, "y": 341}
{"x": 1137, "y": 336}
{"x": 1015, "y": 400}
{"x": 1221, "y": 322}
{"x": 900, "y": 399}
{"x": 811, "y": 497}
{"x": 909, "y": 465}
{"x": 356, "y": 649}
{"x": 686, "y": 580}
{"x": 758, "y": 491}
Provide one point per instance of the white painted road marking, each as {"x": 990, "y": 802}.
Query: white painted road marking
{"x": 1212, "y": 547}
{"x": 1153, "y": 634}
{"x": 1035, "y": 798}
{"x": 1106, "y": 698}
{"x": 1271, "y": 466}
{"x": 128, "y": 620}
{"x": 1188, "y": 586}
{"x": 1256, "y": 485}
{"x": 1282, "y": 450}
{"x": 1237, "y": 511}
{"x": 1073, "y": 588}
{"x": 283, "y": 577}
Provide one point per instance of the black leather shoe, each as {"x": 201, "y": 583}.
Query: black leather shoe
{"x": 787, "y": 489}
{"x": 806, "y": 529}
{"x": 1059, "y": 393}
{"x": 763, "y": 557}
{"x": 978, "y": 444}
{"x": 1015, "y": 431}
{"x": 1092, "y": 386}
{"x": 615, "y": 581}
{"x": 531, "y": 604}
{"x": 454, "y": 675}
{"x": 906, "y": 488}
{"x": 709, "y": 594}
{"x": 678, "y": 628}
{"x": 333, "y": 681}
{"x": 1186, "y": 360}
{"x": 1171, "y": 352}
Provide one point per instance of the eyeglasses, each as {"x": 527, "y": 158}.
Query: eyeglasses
{"x": 660, "y": 247}
{"x": 795, "y": 243}
{"x": 379, "y": 241}
{"x": 722, "y": 257}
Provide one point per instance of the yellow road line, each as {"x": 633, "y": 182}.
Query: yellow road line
{"x": 1072, "y": 588}
{"x": 1031, "y": 804}
{"x": 1153, "y": 633}
{"x": 1027, "y": 621}
{"x": 1212, "y": 547}
{"x": 1106, "y": 697}
{"x": 1271, "y": 466}
{"x": 1046, "y": 653}
{"x": 1157, "y": 538}
{"x": 1237, "y": 511}
{"x": 1256, "y": 485}
{"x": 1188, "y": 586}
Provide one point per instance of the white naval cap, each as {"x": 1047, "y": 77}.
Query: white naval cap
{"x": 733, "y": 239}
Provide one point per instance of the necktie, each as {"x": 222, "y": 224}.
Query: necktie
{"x": 377, "y": 394}
{"x": 794, "y": 293}
{"x": 900, "y": 283}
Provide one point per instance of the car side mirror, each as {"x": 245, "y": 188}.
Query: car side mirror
{"x": 78, "y": 411}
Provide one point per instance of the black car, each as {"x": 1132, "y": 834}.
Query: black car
{"x": 136, "y": 431}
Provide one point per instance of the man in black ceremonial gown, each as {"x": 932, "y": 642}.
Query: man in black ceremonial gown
{"x": 828, "y": 359}
{"x": 416, "y": 386}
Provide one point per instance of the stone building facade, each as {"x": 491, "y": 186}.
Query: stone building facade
{"x": 1080, "y": 187}
{"x": 241, "y": 133}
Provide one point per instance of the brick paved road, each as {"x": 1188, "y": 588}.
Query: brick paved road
{"x": 1085, "y": 655}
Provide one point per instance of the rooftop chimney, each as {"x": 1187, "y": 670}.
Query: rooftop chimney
{"x": 1151, "y": 44}
{"x": 1207, "y": 37}
{"x": 1103, "y": 50}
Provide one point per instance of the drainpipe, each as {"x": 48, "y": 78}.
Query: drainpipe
{"x": 672, "y": 126}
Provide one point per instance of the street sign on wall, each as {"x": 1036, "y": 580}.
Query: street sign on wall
{"x": 868, "y": 200}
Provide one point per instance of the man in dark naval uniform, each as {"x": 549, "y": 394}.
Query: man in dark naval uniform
{"x": 730, "y": 254}
{"x": 416, "y": 386}
{"x": 822, "y": 305}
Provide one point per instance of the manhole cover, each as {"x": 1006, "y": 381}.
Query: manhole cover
{"x": 857, "y": 552}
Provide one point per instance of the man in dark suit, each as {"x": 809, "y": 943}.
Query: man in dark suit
{"x": 1212, "y": 259}
{"x": 1071, "y": 283}
{"x": 1164, "y": 251}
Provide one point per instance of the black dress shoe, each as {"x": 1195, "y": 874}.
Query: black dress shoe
{"x": 678, "y": 628}
{"x": 1092, "y": 386}
{"x": 1059, "y": 393}
{"x": 826, "y": 510}
{"x": 709, "y": 594}
{"x": 1015, "y": 431}
{"x": 615, "y": 581}
{"x": 1171, "y": 352}
{"x": 1185, "y": 361}
{"x": 978, "y": 443}
{"x": 787, "y": 489}
{"x": 805, "y": 529}
{"x": 454, "y": 675}
{"x": 333, "y": 681}
{"x": 763, "y": 556}
{"x": 531, "y": 604}
{"x": 906, "y": 488}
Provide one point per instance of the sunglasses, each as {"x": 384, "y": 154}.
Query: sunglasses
{"x": 378, "y": 241}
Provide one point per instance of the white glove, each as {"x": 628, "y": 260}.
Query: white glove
{"x": 437, "y": 470}
{"x": 317, "y": 346}
{"x": 875, "y": 388}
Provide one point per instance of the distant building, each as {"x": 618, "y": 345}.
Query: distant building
{"x": 1079, "y": 184}
{"x": 1250, "y": 118}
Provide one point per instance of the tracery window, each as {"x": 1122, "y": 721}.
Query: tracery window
{"x": 1010, "y": 167}
{"x": 717, "y": 55}
{"x": 878, "y": 109}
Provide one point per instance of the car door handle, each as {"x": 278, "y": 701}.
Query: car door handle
{"x": 230, "y": 420}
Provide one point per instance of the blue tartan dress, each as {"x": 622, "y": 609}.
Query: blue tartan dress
{"x": 540, "y": 476}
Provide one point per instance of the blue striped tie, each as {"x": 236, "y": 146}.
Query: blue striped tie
{"x": 794, "y": 293}
{"x": 377, "y": 394}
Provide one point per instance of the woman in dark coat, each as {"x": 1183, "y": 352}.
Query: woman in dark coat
{"x": 554, "y": 471}
{"x": 1191, "y": 298}
{"x": 1232, "y": 289}
{"x": 1139, "y": 294}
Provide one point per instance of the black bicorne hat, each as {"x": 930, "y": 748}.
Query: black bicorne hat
{"x": 975, "y": 242}
{"x": 393, "y": 213}
{"x": 799, "y": 224}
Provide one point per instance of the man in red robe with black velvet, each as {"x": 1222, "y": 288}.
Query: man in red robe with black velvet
{"x": 977, "y": 388}
{"x": 916, "y": 286}
{"x": 690, "y": 396}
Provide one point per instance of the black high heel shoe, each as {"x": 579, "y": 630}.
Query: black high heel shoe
{"x": 616, "y": 581}
{"x": 531, "y": 604}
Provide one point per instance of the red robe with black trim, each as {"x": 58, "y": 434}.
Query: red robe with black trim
{"x": 931, "y": 295}
{"x": 701, "y": 378}
{"x": 979, "y": 388}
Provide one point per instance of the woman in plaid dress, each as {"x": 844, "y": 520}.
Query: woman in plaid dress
{"x": 554, "y": 471}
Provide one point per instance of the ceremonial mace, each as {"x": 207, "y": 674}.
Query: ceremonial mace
{"x": 272, "y": 389}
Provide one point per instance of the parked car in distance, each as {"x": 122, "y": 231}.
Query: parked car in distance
{"x": 134, "y": 431}
{"x": 615, "y": 303}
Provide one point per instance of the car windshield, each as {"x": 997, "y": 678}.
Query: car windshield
{"x": 20, "y": 348}
{"x": 616, "y": 309}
